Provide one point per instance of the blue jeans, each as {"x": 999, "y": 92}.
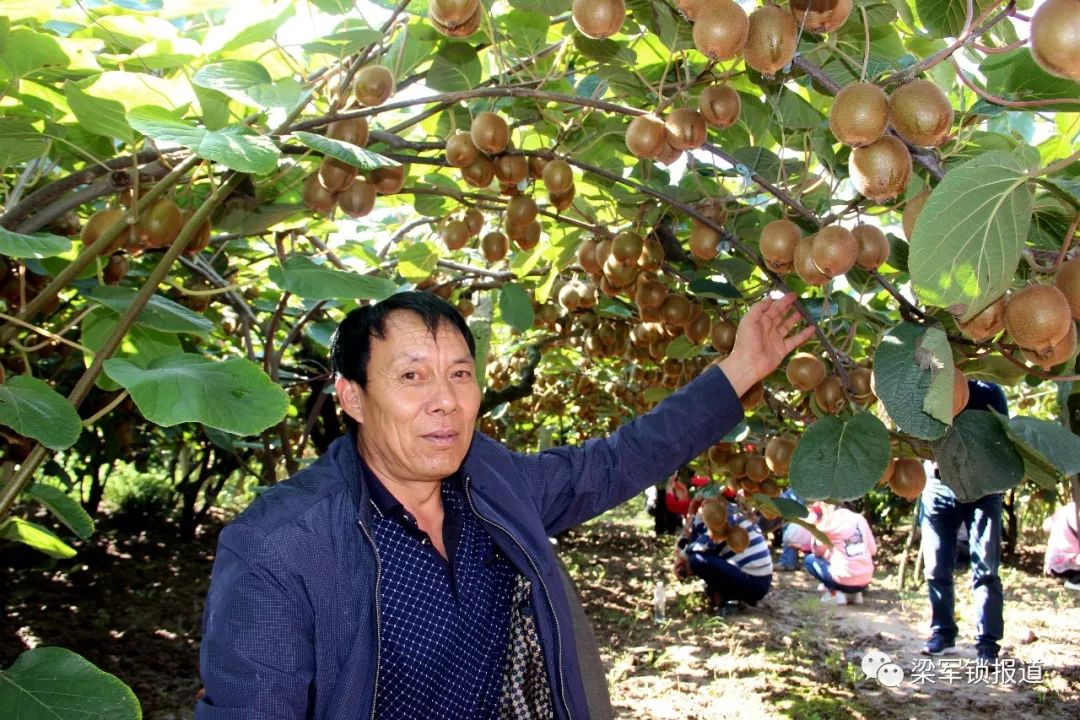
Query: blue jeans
{"x": 789, "y": 557}
{"x": 728, "y": 579}
{"x": 819, "y": 568}
{"x": 942, "y": 516}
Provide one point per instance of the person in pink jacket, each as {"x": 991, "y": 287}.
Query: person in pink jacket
{"x": 1063, "y": 547}
{"x": 846, "y": 568}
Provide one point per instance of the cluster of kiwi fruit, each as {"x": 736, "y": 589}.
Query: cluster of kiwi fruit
{"x": 456, "y": 232}
{"x": 880, "y": 164}
{"x": 809, "y": 374}
{"x": 456, "y": 18}
{"x": 829, "y": 253}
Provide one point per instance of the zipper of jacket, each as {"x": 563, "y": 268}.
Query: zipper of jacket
{"x": 539, "y": 575}
{"x": 378, "y": 615}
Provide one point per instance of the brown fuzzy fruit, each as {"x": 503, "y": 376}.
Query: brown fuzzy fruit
{"x": 558, "y": 176}
{"x": 474, "y": 219}
{"x": 316, "y": 197}
{"x": 804, "y": 263}
{"x": 778, "y": 452}
{"x": 805, "y": 371}
{"x": 455, "y": 235}
{"x": 698, "y": 329}
{"x": 1067, "y": 281}
{"x": 561, "y": 201}
{"x": 201, "y": 239}
{"x": 822, "y": 21}
{"x": 494, "y": 246}
{"x": 704, "y": 241}
{"x": 720, "y": 105}
{"x": 987, "y": 323}
{"x": 652, "y": 255}
{"x": 159, "y": 224}
{"x": 720, "y": 29}
{"x": 598, "y": 19}
{"x": 336, "y": 175}
{"x": 675, "y": 310}
{"x": 714, "y": 515}
{"x": 465, "y": 29}
{"x": 645, "y": 137}
{"x": 358, "y": 200}
{"x": 862, "y": 384}
{"x": 96, "y": 226}
{"x": 860, "y": 114}
{"x": 587, "y": 257}
{"x": 1055, "y": 38}
{"x": 1038, "y": 317}
{"x": 830, "y": 395}
{"x": 912, "y": 211}
{"x": 908, "y": 478}
{"x": 685, "y": 129}
{"x": 530, "y": 237}
{"x": 511, "y": 168}
{"x": 669, "y": 154}
{"x": 777, "y": 245}
{"x": 873, "y": 246}
{"x": 771, "y": 39}
{"x": 626, "y": 247}
{"x": 801, "y": 5}
{"x": 752, "y": 398}
{"x": 690, "y": 8}
{"x": 452, "y": 13}
{"x": 490, "y": 133}
{"x": 1064, "y": 350}
{"x": 352, "y": 130}
{"x": 650, "y": 293}
{"x": 880, "y": 171}
{"x": 115, "y": 269}
{"x": 757, "y": 469}
{"x": 389, "y": 180}
{"x": 737, "y": 538}
{"x": 460, "y": 150}
{"x": 921, "y": 113}
{"x": 834, "y": 250}
{"x": 960, "y": 392}
{"x": 480, "y": 173}
{"x": 520, "y": 211}
{"x": 722, "y": 336}
{"x": 373, "y": 85}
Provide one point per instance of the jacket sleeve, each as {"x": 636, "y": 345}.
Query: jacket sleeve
{"x": 571, "y": 484}
{"x": 257, "y": 657}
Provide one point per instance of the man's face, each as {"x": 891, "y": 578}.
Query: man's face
{"x": 417, "y": 414}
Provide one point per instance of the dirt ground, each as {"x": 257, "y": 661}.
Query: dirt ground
{"x": 132, "y": 604}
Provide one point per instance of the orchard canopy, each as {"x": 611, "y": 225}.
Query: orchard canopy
{"x": 196, "y": 191}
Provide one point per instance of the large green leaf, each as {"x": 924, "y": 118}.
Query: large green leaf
{"x": 976, "y": 457}
{"x": 345, "y": 152}
{"x": 248, "y": 82}
{"x": 100, "y": 116}
{"x": 231, "y": 395}
{"x": 1050, "y": 451}
{"x": 41, "y": 245}
{"x": 969, "y": 236}
{"x": 160, "y": 313}
{"x": 515, "y": 308}
{"x": 945, "y": 18}
{"x": 455, "y": 67}
{"x": 19, "y": 141}
{"x": 264, "y": 29}
{"x": 935, "y": 354}
{"x": 33, "y": 409}
{"x": 41, "y": 539}
{"x": 902, "y": 377}
{"x": 141, "y": 344}
{"x": 1016, "y": 75}
{"x": 64, "y": 507}
{"x": 302, "y": 276}
{"x": 840, "y": 458}
{"x": 53, "y": 683}
{"x": 25, "y": 51}
{"x": 234, "y": 147}
{"x": 417, "y": 261}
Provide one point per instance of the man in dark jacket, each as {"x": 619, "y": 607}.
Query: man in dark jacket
{"x": 408, "y": 572}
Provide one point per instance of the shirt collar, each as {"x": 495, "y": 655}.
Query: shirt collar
{"x": 385, "y": 503}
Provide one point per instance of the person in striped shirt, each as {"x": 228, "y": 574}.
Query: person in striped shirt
{"x": 744, "y": 576}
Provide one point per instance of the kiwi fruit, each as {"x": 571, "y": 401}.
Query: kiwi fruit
{"x": 474, "y": 219}
{"x": 373, "y": 84}
{"x": 558, "y": 176}
{"x": 920, "y": 113}
{"x": 1038, "y": 317}
{"x": 668, "y": 154}
{"x": 603, "y": 249}
{"x": 529, "y": 237}
{"x": 814, "y": 17}
{"x": 1055, "y": 38}
{"x": 316, "y": 197}
{"x": 720, "y": 105}
{"x": 159, "y": 224}
{"x": 804, "y": 263}
{"x": 96, "y": 226}
{"x": 652, "y": 255}
{"x": 336, "y": 175}
{"x": 829, "y": 395}
{"x": 750, "y": 400}
{"x": 675, "y": 310}
{"x": 490, "y": 133}
{"x": 464, "y": 30}
{"x": 1067, "y": 280}
{"x": 880, "y": 171}
{"x": 685, "y": 129}
{"x": 115, "y": 269}
{"x": 873, "y": 246}
{"x": 737, "y": 538}
{"x": 777, "y": 245}
{"x": 704, "y": 241}
{"x": 452, "y": 13}
{"x": 834, "y": 250}
{"x": 388, "y": 180}
{"x": 511, "y": 168}
{"x": 757, "y": 469}
{"x": 586, "y": 256}
{"x": 1064, "y": 350}
{"x": 987, "y": 323}
{"x": 698, "y": 330}
{"x": 960, "y": 392}
{"x": 460, "y": 150}
{"x": 358, "y": 199}
{"x": 862, "y": 384}
{"x": 520, "y": 211}
{"x": 860, "y": 114}
{"x": 714, "y": 515}
{"x": 770, "y": 40}
{"x": 912, "y": 210}
{"x": 455, "y": 235}
{"x": 650, "y": 293}
{"x": 569, "y": 297}
{"x": 778, "y": 452}
{"x": 720, "y": 30}
{"x": 805, "y": 371}
{"x": 645, "y": 136}
{"x": 626, "y": 247}
{"x": 480, "y": 173}
{"x": 722, "y": 336}
{"x": 619, "y": 275}
{"x": 561, "y": 201}
{"x": 887, "y": 475}
{"x": 690, "y": 8}
{"x": 598, "y": 19}
{"x": 201, "y": 240}
{"x": 494, "y": 246}
{"x": 352, "y": 130}
{"x": 908, "y": 478}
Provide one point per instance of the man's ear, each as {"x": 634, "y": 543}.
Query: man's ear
{"x": 349, "y": 398}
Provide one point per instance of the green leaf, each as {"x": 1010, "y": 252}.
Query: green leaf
{"x": 343, "y": 151}
{"x": 333, "y": 7}
{"x": 544, "y": 7}
{"x": 98, "y": 115}
{"x": 33, "y": 409}
{"x": 764, "y": 162}
{"x": 53, "y": 683}
{"x": 713, "y": 288}
{"x": 682, "y": 349}
{"x": 455, "y": 67}
{"x": 656, "y": 394}
{"x": 969, "y": 236}
{"x": 794, "y": 113}
{"x": 19, "y": 141}
{"x": 417, "y": 261}
{"x": 232, "y": 395}
{"x": 413, "y": 47}
{"x": 993, "y": 368}
{"x": 1016, "y": 76}
{"x": 302, "y": 276}
{"x": 234, "y": 147}
{"x": 160, "y": 313}
{"x": 786, "y": 507}
{"x": 248, "y": 82}
{"x": 840, "y": 458}
{"x": 40, "y": 245}
{"x": 515, "y": 307}
{"x": 902, "y": 382}
{"x": 141, "y": 344}
{"x": 26, "y": 51}
{"x": 344, "y": 43}
{"x": 64, "y": 507}
{"x": 605, "y": 51}
{"x": 43, "y": 540}
{"x": 260, "y": 31}
{"x": 1050, "y": 451}
{"x": 934, "y": 353}
{"x": 977, "y": 458}
{"x": 945, "y": 18}
{"x": 525, "y": 32}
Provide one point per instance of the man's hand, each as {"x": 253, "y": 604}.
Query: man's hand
{"x": 763, "y": 341}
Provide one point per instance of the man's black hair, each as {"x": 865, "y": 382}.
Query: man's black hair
{"x": 350, "y": 347}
